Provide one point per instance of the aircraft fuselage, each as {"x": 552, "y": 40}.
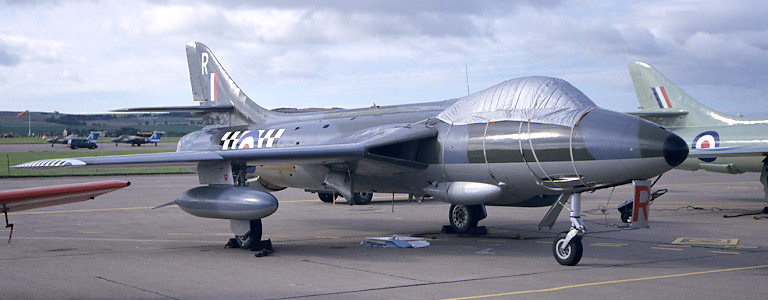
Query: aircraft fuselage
{"x": 532, "y": 162}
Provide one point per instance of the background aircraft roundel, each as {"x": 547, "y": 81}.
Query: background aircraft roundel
{"x": 706, "y": 140}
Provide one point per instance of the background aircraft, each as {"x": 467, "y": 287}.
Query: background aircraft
{"x": 531, "y": 141}
{"x": 140, "y": 138}
{"x": 29, "y": 198}
{"x": 718, "y": 142}
{"x": 67, "y": 139}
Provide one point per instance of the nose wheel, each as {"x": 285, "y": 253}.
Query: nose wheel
{"x": 567, "y": 247}
{"x": 567, "y": 253}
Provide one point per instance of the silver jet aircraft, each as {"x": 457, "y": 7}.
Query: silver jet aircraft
{"x": 718, "y": 142}
{"x": 526, "y": 142}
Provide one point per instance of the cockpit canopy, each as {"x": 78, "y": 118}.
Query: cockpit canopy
{"x": 536, "y": 99}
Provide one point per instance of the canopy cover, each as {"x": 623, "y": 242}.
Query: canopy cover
{"x": 534, "y": 99}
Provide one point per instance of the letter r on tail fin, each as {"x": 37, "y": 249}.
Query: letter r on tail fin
{"x": 212, "y": 86}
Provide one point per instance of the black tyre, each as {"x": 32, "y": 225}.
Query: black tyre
{"x": 362, "y": 198}
{"x": 571, "y": 254}
{"x": 256, "y": 229}
{"x": 250, "y": 239}
{"x": 463, "y": 218}
{"x": 326, "y": 197}
{"x": 625, "y": 217}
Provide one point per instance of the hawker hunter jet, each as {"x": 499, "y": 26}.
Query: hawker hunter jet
{"x": 67, "y": 139}
{"x": 140, "y": 138}
{"x": 527, "y": 142}
{"x": 718, "y": 142}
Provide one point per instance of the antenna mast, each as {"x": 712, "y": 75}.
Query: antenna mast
{"x": 466, "y": 73}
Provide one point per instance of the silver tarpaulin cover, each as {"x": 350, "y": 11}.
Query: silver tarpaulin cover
{"x": 535, "y": 99}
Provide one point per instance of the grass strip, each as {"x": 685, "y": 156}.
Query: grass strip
{"x": 8, "y": 159}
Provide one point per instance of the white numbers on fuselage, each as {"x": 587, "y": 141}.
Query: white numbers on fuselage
{"x": 246, "y": 139}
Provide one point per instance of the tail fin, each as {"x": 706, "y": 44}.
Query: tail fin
{"x": 156, "y": 136}
{"x": 211, "y": 85}
{"x": 94, "y": 136}
{"x": 666, "y": 104}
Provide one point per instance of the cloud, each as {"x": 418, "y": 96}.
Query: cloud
{"x": 17, "y": 48}
{"x": 397, "y": 51}
{"x": 8, "y": 59}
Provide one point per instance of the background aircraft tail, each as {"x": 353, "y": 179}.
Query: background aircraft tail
{"x": 156, "y": 136}
{"x": 212, "y": 86}
{"x": 666, "y": 104}
{"x": 94, "y": 136}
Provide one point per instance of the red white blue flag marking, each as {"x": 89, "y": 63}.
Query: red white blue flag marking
{"x": 213, "y": 78}
{"x": 661, "y": 97}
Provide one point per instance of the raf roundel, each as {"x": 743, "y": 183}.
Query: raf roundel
{"x": 706, "y": 140}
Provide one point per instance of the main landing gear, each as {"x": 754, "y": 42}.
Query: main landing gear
{"x": 464, "y": 219}
{"x": 248, "y": 236}
{"x": 357, "y": 199}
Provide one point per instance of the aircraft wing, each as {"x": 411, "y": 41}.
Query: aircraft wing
{"x": 194, "y": 109}
{"x": 28, "y": 198}
{"x": 658, "y": 114}
{"x": 375, "y": 147}
{"x": 757, "y": 150}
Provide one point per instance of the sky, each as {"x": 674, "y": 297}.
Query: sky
{"x": 94, "y": 56}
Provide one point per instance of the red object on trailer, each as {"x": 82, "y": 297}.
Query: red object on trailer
{"x": 36, "y": 197}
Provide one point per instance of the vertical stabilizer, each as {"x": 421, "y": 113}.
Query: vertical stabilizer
{"x": 94, "y": 136}
{"x": 211, "y": 85}
{"x": 156, "y": 136}
{"x": 657, "y": 94}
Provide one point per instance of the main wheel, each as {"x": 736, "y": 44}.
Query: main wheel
{"x": 253, "y": 236}
{"x": 326, "y": 197}
{"x": 463, "y": 218}
{"x": 571, "y": 254}
{"x": 362, "y": 198}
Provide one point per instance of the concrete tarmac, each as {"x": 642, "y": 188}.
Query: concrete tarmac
{"x": 116, "y": 246}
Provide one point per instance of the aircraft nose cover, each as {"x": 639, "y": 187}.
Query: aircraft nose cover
{"x": 675, "y": 150}
{"x": 534, "y": 99}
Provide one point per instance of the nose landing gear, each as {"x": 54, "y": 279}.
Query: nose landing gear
{"x": 567, "y": 247}
{"x": 567, "y": 253}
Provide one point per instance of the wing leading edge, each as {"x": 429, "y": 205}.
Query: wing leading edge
{"x": 758, "y": 150}
{"x": 368, "y": 148}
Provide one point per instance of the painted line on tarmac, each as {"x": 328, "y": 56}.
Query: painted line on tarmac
{"x": 726, "y": 252}
{"x": 609, "y": 245}
{"x": 669, "y": 249}
{"x": 741, "y": 247}
{"x": 565, "y": 287}
{"x": 706, "y": 241}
